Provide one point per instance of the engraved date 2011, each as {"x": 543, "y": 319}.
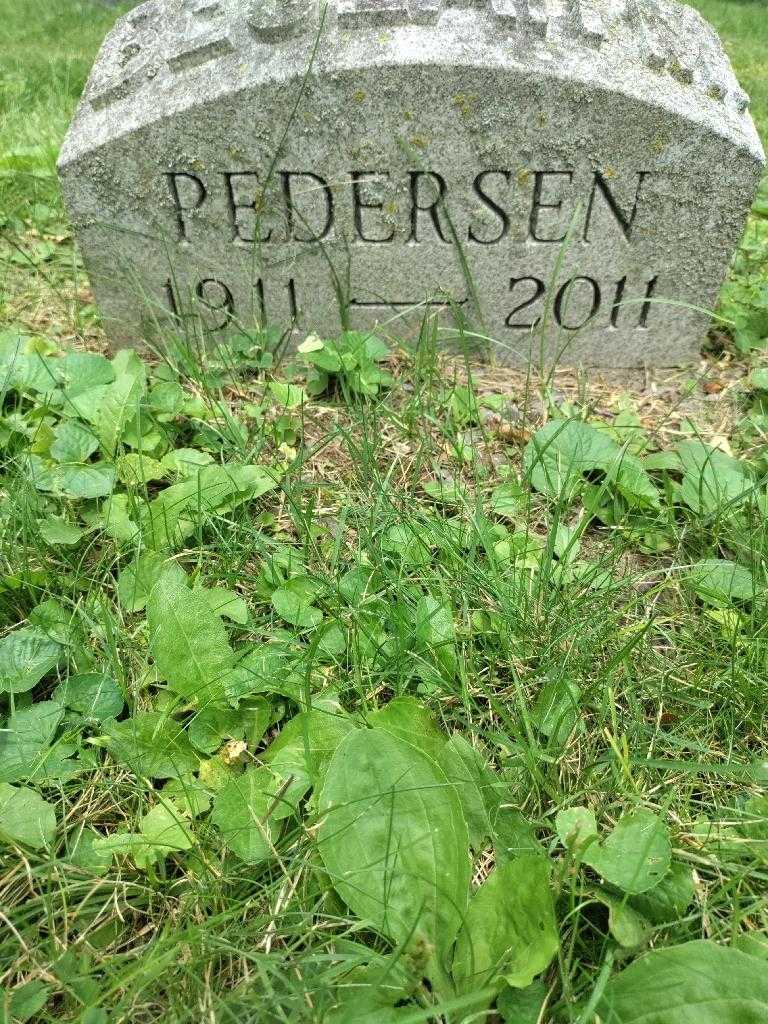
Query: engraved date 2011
{"x": 576, "y": 303}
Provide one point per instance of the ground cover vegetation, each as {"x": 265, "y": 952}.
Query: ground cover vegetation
{"x": 362, "y": 685}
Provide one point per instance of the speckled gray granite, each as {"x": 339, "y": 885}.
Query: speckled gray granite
{"x": 564, "y": 176}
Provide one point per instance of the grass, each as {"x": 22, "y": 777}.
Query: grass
{"x": 568, "y": 576}
{"x": 741, "y": 25}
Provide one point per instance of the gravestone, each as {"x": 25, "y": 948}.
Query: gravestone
{"x": 566, "y": 177}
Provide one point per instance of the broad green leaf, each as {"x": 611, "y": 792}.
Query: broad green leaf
{"x": 164, "y": 832}
{"x": 167, "y": 398}
{"x": 562, "y": 451}
{"x": 84, "y": 852}
{"x": 628, "y": 927}
{"x": 115, "y": 518}
{"x": 27, "y": 1000}
{"x": 404, "y": 543}
{"x": 58, "y": 532}
{"x": 185, "y": 461}
{"x": 241, "y": 814}
{"x": 465, "y": 767}
{"x": 435, "y": 628}
{"x": 25, "y": 817}
{"x": 136, "y": 580}
{"x": 395, "y": 844}
{"x": 175, "y": 512}
{"x": 26, "y": 740}
{"x": 754, "y": 944}
{"x": 627, "y": 473}
{"x": 287, "y": 396}
{"x": 213, "y": 725}
{"x": 22, "y": 369}
{"x": 523, "y": 1005}
{"x": 74, "y": 442}
{"x": 670, "y": 899}
{"x": 26, "y": 656}
{"x": 189, "y": 795}
{"x": 86, "y": 403}
{"x": 445, "y": 492}
{"x": 713, "y": 482}
{"x": 720, "y": 582}
{"x": 371, "y": 982}
{"x": 637, "y": 853}
{"x": 120, "y": 400}
{"x": 274, "y": 668}
{"x": 576, "y": 828}
{"x": 188, "y": 640}
{"x": 408, "y": 719}
{"x": 509, "y": 932}
{"x": 310, "y": 344}
{"x": 364, "y": 1008}
{"x": 333, "y": 641}
{"x": 634, "y": 857}
{"x": 293, "y": 602}
{"x": 696, "y": 983}
{"x": 506, "y": 500}
{"x": 56, "y": 621}
{"x": 152, "y": 744}
{"x": 302, "y": 751}
{"x": 556, "y": 710}
{"x": 80, "y": 371}
{"x": 94, "y": 695}
{"x": 136, "y": 469}
{"x": 75, "y": 480}
{"x": 228, "y": 604}
{"x": 513, "y": 835}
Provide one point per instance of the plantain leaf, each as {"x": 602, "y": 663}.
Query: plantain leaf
{"x": 635, "y": 856}
{"x": 25, "y": 817}
{"x": 301, "y": 753}
{"x": 394, "y": 842}
{"x": 175, "y": 512}
{"x": 120, "y": 400}
{"x": 408, "y": 719}
{"x": 188, "y": 639}
{"x": 697, "y": 982}
{"x": 241, "y": 813}
{"x": 25, "y": 742}
{"x": 509, "y": 933}
{"x": 152, "y": 744}
{"x": 26, "y": 656}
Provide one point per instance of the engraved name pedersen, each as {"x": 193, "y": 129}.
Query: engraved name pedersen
{"x": 307, "y": 209}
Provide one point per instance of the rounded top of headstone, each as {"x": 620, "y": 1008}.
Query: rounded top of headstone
{"x": 166, "y": 54}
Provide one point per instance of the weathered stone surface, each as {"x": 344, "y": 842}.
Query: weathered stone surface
{"x": 276, "y": 158}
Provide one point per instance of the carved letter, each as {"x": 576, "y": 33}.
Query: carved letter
{"x": 180, "y": 184}
{"x": 625, "y": 223}
{"x": 293, "y": 212}
{"x": 243, "y": 228}
{"x": 492, "y": 205}
{"x": 539, "y": 205}
{"x": 359, "y": 204}
{"x": 438, "y": 185}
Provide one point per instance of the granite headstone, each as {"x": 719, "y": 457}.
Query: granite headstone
{"x": 564, "y": 176}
